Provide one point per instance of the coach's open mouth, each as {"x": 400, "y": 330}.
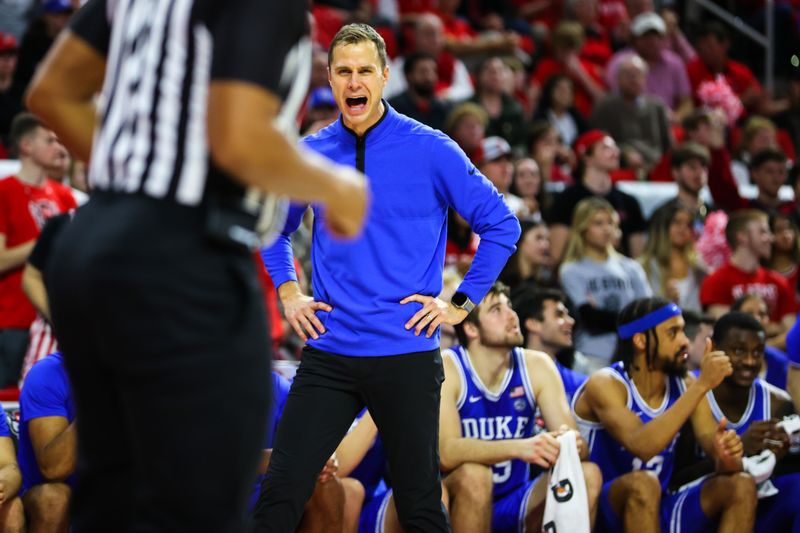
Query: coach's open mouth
{"x": 357, "y": 103}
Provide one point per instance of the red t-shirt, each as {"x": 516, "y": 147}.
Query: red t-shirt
{"x": 738, "y": 76}
{"x": 549, "y": 67}
{"x": 23, "y": 211}
{"x": 728, "y": 283}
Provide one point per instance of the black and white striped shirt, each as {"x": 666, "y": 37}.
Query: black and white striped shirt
{"x": 161, "y": 57}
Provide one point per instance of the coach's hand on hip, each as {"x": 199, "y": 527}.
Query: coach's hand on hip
{"x": 300, "y": 311}
{"x": 434, "y": 313}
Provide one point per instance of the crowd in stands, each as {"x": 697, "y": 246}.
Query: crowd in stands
{"x": 558, "y": 103}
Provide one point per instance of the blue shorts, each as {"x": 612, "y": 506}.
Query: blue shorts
{"x": 780, "y": 512}
{"x": 681, "y": 511}
{"x": 508, "y": 513}
{"x": 374, "y": 512}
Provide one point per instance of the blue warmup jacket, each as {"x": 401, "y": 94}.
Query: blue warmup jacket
{"x": 415, "y": 173}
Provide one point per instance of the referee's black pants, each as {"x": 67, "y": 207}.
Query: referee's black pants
{"x": 165, "y": 341}
{"x": 402, "y": 394}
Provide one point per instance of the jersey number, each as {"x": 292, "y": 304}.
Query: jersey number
{"x": 501, "y": 472}
{"x": 654, "y": 465}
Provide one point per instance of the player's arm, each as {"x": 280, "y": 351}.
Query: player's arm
{"x": 356, "y": 444}
{"x": 10, "y": 475}
{"x": 14, "y": 257}
{"x": 607, "y": 400}
{"x": 455, "y": 449}
{"x": 548, "y": 389}
{"x": 723, "y": 446}
{"x": 55, "y": 445}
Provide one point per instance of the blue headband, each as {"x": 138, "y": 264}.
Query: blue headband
{"x": 649, "y": 321}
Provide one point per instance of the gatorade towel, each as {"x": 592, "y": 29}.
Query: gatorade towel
{"x": 566, "y": 509}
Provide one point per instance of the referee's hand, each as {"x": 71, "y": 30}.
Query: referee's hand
{"x": 300, "y": 311}
{"x": 434, "y": 313}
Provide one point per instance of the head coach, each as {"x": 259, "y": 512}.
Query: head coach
{"x": 153, "y": 289}
{"x": 372, "y": 325}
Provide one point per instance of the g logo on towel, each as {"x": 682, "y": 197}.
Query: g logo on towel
{"x": 562, "y": 491}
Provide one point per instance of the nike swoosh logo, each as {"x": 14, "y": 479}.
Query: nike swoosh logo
{"x": 473, "y": 399}
{"x": 472, "y": 171}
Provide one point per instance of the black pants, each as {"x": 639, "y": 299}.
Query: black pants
{"x": 165, "y": 341}
{"x": 402, "y": 393}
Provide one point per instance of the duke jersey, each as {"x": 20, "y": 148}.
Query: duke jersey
{"x": 612, "y": 458}
{"x": 759, "y": 407}
{"x": 506, "y": 414}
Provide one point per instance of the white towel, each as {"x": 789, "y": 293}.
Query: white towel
{"x": 566, "y": 509}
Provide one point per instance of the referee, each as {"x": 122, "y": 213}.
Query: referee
{"x": 372, "y": 325}
{"x": 152, "y": 287}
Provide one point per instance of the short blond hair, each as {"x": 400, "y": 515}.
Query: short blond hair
{"x": 358, "y": 33}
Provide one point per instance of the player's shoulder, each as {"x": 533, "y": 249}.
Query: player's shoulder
{"x": 779, "y": 398}
{"x": 537, "y": 361}
{"x": 45, "y": 373}
{"x": 606, "y": 384}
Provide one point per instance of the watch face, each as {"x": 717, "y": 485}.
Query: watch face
{"x": 459, "y": 299}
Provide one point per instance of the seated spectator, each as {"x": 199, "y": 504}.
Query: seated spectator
{"x": 506, "y": 118}
{"x": 599, "y": 157}
{"x": 598, "y": 280}
{"x": 419, "y": 100}
{"x": 747, "y": 405}
{"x": 666, "y": 72}
{"x": 489, "y": 378}
{"x": 689, "y": 163}
{"x": 552, "y": 156}
{"x": 324, "y": 511}
{"x": 638, "y": 122}
{"x": 462, "y": 40}
{"x": 557, "y": 107}
{"x": 466, "y": 125}
{"x": 41, "y": 35}
{"x": 758, "y": 134}
{"x": 462, "y": 243}
{"x": 712, "y": 44}
{"x": 698, "y": 327}
{"x": 768, "y": 171}
{"x": 528, "y": 184}
{"x": 322, "y": 110}
{"x": 566, "y": 43}
{"x": 597, "y": 47}
{"x": 676, "y": 40}
{"x": 12, "y": 516}
{"x": 10, "y": 92}
{"x": 495, "y": 164}
{"x": 670, "y": 261}
{"x": 785, "y": 258}
{"x": 750, "y": 241}
{"x": 547, "y": 327}
{"x": 455, "y": 83}
{"x": 530, "y": 262}
{"x": 634, "y": 412}
{"x": 775, "y": 366}
{"x": 47, "y": 445}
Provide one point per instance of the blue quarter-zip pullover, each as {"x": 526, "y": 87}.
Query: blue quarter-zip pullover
{"x": 415, "y": 173}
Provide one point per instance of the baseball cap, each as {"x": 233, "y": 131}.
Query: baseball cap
{"x": 57, "y": 6}
{"x": 648, "y": 22}
{"x": 494, "y": 148}
{"x": 8, "y": 43}
{"x": 589, "y": 139}
{"x": 321, "y": 97}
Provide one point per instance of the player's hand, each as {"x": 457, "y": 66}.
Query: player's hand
{"x": 764, "y": 434}
{"x": 329, "y": 470}
{"x": 346, "y": 210}
{"x": 300, "y": 311}
{"x": 540, "y": 450}
{"x": 581, "y": 444}
{"x": 728, "y": 448}
{"x": 714, "y": 367}
{"x": 434, "y": 313}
